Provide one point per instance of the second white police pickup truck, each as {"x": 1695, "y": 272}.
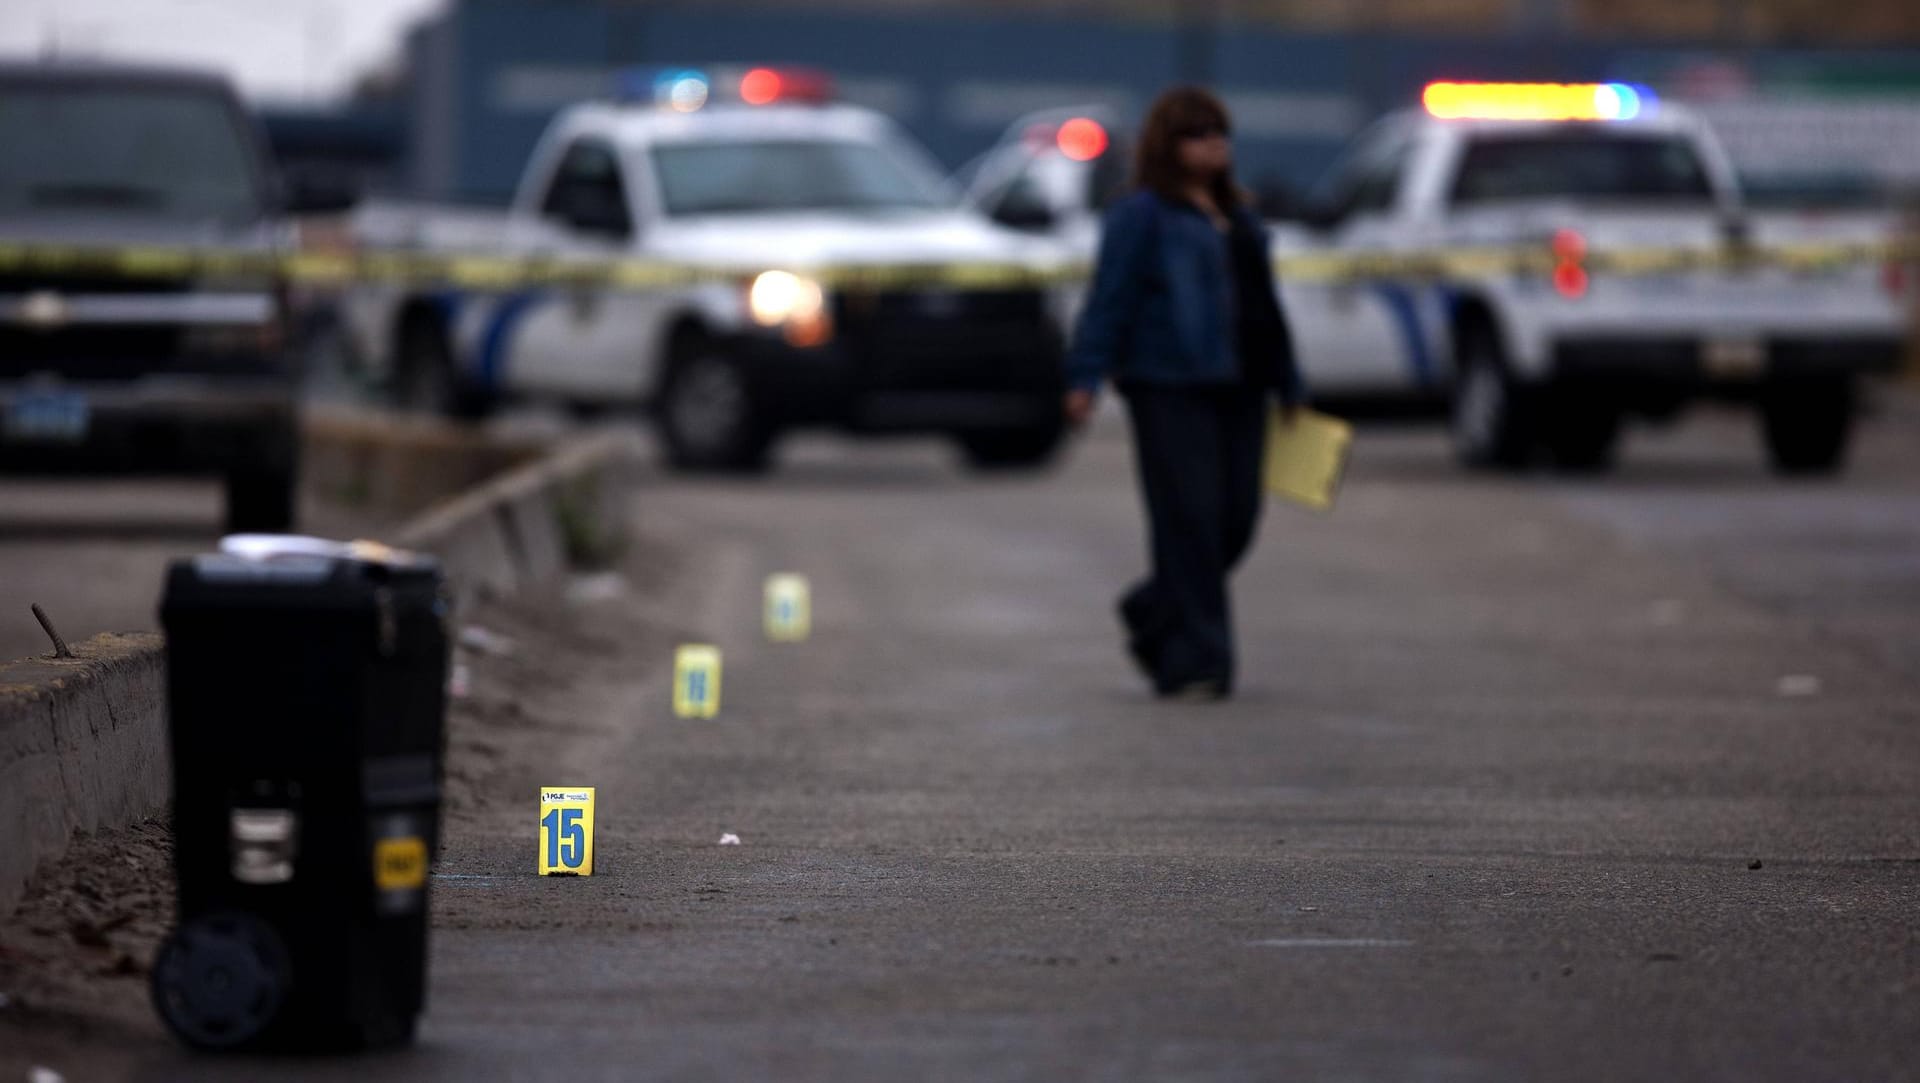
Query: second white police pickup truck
{"x": 759, "y": 184}
{"x": 1546, "y": 354}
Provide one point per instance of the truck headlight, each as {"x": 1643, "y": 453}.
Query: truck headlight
{"x": 265, "y": 333}
{"x": 792, "y": 302}
{"x": 234, "y": 338}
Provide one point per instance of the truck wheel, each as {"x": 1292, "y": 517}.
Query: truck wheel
{"x": 260, "y": 501}
{"x": 263, "y": 489}
{"x": 1011, "y": 449}
{"x": 708, "y": 417}
{"x": 1808, "y": 425}
{"x": 1492, "y": 415}
{"x": 1584, "y": 435}
{"x": 425, "y": 380}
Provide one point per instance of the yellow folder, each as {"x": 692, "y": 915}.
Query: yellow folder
{"x": 1307, "y": 456}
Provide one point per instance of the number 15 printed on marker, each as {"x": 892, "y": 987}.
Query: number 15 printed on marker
{"x": 566, "y": 831}
{"x": 566, "y": 840}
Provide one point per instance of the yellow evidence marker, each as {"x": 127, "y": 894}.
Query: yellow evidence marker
{"x": 789, "y": 608}
{"x": 566, "y": 830}
{"x": 696, "y": 681}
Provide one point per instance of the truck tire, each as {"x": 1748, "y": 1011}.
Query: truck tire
{"x": 1011, "y": 449}
{"x": 262, "y": 489}
{"x": 1584, "y": 433}
{"x": 1492, "y": 414}
{"x": 1808, "y": 424}
{"x": 425, "y": 380}
{"x": 708, "y": 417}
{"x": 260, "y": 501}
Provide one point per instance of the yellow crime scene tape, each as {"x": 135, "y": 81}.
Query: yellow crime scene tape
{"x": 488, "y": 272}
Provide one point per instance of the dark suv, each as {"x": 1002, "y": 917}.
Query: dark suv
{"x": 107, "y": 372}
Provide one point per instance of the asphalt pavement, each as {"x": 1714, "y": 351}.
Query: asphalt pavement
{"x": 1536, "y": 778}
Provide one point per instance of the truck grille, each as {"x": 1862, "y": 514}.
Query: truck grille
{"x": 99, "y": 352}
{"x": 102, "y": 352}
{"x": 16, "y": 283}
{"x": 949, "y": 339}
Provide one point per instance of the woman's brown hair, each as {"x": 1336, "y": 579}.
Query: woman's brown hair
{"x": 1177, "y": 113}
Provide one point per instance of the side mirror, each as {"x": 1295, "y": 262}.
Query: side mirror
{"x": 1020, "y": 214}
{"x": 588, "y": 212}
{"x": 1319, "y": 215}
{"x": 1279, "y": 201}
{"x": 1323, "y": 216}
{"x": 318, "y": 191}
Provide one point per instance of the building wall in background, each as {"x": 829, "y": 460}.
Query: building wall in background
{"x": 487, "y": 74}
{"x": 435, "y": 110}
{"x": 1726, "y": 22}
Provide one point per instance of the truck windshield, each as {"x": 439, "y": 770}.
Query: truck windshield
{"x": 746, "y": 177}
{"x": 172, "y": 153}
{"x": 1587, "y": 165}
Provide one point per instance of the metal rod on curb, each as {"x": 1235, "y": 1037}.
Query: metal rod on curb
{"x": 60, "y": 649}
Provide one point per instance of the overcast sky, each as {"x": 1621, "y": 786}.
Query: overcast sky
{"x": 276, "y": 49}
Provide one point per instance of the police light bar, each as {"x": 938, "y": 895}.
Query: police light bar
{"x": 1538, "y": 101}
{"x": 687, "y": 90}
{"x": 765, "y": 86}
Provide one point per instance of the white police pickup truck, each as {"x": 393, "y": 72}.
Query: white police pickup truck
{"x": 761, "y": 187}
{"x": 1547, "y": 353}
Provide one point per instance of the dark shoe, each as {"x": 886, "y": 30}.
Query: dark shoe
{"x": 1205, "y": 690}
{"x": 1145, "y": 654}
{"x": 1143, "y": 636}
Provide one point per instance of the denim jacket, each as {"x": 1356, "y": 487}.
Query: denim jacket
{"x": 1161, "y": 309}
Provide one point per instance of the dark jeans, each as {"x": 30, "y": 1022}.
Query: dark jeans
{"x": 1199, "y": 451}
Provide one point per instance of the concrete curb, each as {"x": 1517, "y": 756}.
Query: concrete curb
{"x": 524, "y": 529}
{"x": 82, "y": 746}
{"x": 83, "y": 740}
{"x": 400, "y": 465}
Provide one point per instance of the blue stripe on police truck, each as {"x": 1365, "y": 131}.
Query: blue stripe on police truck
{"x": 1403, "y": 309}
{"x": 500, "y": 327}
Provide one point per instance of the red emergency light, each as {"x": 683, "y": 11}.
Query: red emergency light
{"x": 760, "y": 86}
{"x": 1570, "y": 277}
{"x": 1081, "y": 139}
{"x": 767, "y": 86}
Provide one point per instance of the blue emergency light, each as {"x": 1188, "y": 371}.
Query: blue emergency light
{"x": 687, "y": 90}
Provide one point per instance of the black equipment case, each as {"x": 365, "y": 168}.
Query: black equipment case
{"x": 306, "y": 698}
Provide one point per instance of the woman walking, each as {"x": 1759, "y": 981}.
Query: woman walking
{"x": 1183, "y": 318}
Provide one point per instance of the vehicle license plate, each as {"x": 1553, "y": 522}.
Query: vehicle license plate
{"x": 48, "y": 417}
{"x": 1733, "y": 358}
